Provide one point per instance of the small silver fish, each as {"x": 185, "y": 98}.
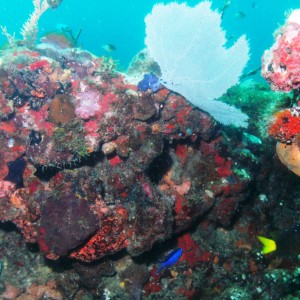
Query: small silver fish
{"x": 108, "y": 47}
{"x": 240, "y": 15}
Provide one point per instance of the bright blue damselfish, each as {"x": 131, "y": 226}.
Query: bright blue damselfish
{"x": 149, "y": 82}
{"x": 170, "y": 259}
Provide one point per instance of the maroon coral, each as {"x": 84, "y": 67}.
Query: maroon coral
{"x": 66, "y": 223}
{"x": 109, "y": 238}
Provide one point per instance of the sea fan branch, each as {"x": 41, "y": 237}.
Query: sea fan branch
{"x": 10, "y": 37}
{"x": 30, "y": 28}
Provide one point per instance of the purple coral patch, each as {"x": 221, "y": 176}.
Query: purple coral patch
{"x": 149, "y": 82}
{"x": 67, "y": 223}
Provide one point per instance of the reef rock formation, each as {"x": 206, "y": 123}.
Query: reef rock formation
{"x": 91, "y": 165}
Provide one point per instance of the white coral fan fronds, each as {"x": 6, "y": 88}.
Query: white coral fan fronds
{"x": 30, "y": 28}
{"x": 188, "y": 44}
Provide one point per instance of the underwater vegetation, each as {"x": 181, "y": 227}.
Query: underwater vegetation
{"x": 115, "y": 186}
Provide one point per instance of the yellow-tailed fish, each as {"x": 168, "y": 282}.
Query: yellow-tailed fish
{"x": 285, "y": 243}
{"x": 269, "y": 245}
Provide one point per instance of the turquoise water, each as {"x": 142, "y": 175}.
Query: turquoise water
{"x": 121, "y": 22}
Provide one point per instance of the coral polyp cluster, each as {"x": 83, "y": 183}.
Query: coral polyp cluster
{"x": 286, "y": 125}
{"x": 285, "y": 128}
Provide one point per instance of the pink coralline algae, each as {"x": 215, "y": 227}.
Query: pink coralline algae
{"x": 91, "y": 166}
{"x": 281, "y": 63}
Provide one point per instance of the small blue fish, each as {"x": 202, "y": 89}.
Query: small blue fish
{"x": 170, "y": 259}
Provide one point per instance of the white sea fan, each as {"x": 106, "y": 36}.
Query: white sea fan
{"x": 188, "y": 43}
{"x": 30, "y": 27}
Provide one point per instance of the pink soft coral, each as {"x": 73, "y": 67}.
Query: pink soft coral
{"x": 87, "y": 102}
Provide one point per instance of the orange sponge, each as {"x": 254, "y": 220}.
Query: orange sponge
{"x": 289, "y": 155}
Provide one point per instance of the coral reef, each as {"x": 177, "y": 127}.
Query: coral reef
{"x": 133, "y": 276}
{"x": 103, "y": 178}
{"x": 281, "y": 69}
{"x": 281, "y": 63}
{"x": 102, "y": 140}
{"x": 92, "y": 166}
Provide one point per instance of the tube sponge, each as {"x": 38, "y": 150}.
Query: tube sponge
{"x": 188, "y": 44}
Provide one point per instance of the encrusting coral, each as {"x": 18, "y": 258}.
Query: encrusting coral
{"x": 61, "y": 110}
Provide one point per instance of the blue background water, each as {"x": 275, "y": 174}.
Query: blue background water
{"x": 121, "y": 22}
